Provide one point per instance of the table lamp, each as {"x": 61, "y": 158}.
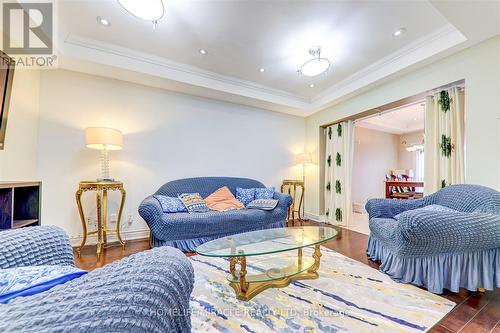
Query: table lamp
{"x": 104, "y": 139}
{"x": 303, "y": 159}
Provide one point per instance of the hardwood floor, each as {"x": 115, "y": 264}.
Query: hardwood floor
{"x": 475, "y": 312}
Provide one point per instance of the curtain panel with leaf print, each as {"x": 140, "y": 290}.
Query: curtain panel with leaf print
{"x": 444, "y": 140}
{"x": 338, "y": 172}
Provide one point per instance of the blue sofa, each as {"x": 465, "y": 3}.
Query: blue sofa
{"x": 146, "y": 292}
{"x": 436, "y": 249}
{"x": 186, "y": 231}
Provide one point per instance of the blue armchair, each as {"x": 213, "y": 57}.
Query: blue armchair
{"x": 146, "y": 292}
{"x": 437, "y": 249}
{"x": 186, "y": 231}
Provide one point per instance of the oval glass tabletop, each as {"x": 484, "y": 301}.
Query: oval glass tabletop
{"x": 266, "y": 241}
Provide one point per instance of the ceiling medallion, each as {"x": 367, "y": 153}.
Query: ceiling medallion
{"x": 148, "y": 10}
{"x": 315, "y": 66}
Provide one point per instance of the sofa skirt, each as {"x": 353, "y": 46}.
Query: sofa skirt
{"x": 189, "y": 245}
{"x": 470, "y": 270}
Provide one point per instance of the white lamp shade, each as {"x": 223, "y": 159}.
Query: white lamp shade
{"x": 103, "y": 138}
{"x": 303, "y": 158}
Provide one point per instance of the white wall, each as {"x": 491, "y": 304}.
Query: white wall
{"x": 375, "y": 154}
{"x": 18, "y": 160}
{"x": 166, "y": 136}
{"x": 406, "y": 159}
{"x": 479, "y": 66}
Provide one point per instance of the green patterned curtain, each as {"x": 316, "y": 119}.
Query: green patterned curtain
{"x": 444, "y": 140}
{"x": 338, "y": 169}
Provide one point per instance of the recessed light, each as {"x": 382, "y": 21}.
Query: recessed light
{"x": 202, "y": 51}
{"x": 103, "y": 21}
{"x": 399, "y": 32}
{"x": 311, "y": 85}
{"x": 262, "y": 70}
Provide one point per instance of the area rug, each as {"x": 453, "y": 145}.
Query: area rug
{"x": 347, "y": 297}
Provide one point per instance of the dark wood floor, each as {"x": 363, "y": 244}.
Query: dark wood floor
{"x": 475, "y": 312}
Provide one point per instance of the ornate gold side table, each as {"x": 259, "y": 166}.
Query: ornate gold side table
{"x": 101, "y": 188}
{"x": 290, "y": 187}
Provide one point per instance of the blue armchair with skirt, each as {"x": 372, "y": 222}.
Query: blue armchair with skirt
{"x": 186, "y": 231}
{"x": 454, "y": 246}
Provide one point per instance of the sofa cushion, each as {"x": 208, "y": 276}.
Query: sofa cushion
{"x": 170, "y": 204}
{"x": 194, "y": 202}
{"x": 429, "y": 208}
{"x": 264, "y": 204}
{"x": 264, "y": 193}
{"x": 31, "y": 280}
{"x": 222, "y": 200}
{"x": 245, "y": 195}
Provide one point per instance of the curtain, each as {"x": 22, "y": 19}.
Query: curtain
{"x": 338, "y": 172}
{"x": 444, "y": 140}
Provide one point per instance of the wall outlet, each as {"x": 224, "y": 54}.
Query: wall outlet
{"x": 130, "y": 219}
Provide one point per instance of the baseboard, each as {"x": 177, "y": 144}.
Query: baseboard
{"x": 126, "y": 235}
{"x": 314, "y": 217}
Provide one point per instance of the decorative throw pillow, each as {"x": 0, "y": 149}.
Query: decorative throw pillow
{"x": 430, "y": 208}
{"x": 264, "y": 204}
{"x": 223, "y": 200}
{"x": 245, "y": 195}
{"x": 264, "y": 193}
{"x": 193, "y": 202}
{"x": 170, "y": 204}
{"x": 31, "y": 280}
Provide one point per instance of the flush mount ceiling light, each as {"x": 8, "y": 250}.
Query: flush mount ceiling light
{"x": 311, "y": 85}
{"x": 315, "y": 66}
{"x": 399, "y": 32}
{"x": 262, "y": 70}
{"x": 202, "y": 51}
{"x": 149, "y": 10}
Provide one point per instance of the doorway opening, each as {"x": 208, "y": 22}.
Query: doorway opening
{"x": 388, "y": 158}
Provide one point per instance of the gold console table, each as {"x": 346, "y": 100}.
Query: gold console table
{"x": 290, "y": 187}
{"x": 101, "y": 189}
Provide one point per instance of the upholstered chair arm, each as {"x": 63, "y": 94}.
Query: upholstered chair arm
{"x": 449, "y": 232}
{"x": 388, "y": 208}
{"x": 35, "y": 246}
{"x": 284, "y": 201}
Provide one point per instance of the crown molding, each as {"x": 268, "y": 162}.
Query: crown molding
{"x": 419, "y": 50}
{"x": 76, "y": 47}
{"x": 81, "y": 54}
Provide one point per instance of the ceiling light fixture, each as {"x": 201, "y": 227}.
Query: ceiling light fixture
{"x": 399, "y": 32}
{"x": 149, "y": 10}
{"x": 202, "y": 51}
{"x": 315, "y": 66}
{"x": 262, "y": 70}
{"x": 311, "y": 85}
{"x": 103, "y": 21}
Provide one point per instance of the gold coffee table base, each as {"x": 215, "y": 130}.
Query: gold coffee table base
{"x": 245, "y": 287}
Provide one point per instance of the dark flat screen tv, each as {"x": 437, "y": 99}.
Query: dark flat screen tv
{"x": 6, "y": 76}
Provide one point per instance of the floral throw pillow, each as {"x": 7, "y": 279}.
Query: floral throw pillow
{"x": 245, "y": 195}
{"x": 264, "y": 193}
{"x": 194, "y": 203}
{"x": 170, "y": 204}
{"x": 31, "y": 280}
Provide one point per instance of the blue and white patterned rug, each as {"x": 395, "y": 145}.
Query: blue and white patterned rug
{"x": 347, "y": 297}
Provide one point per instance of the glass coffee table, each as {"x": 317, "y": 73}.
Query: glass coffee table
{"x": 275, "y": 264}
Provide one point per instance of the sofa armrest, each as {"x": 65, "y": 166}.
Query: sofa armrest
{"x": 35, "y": 246}
{"x": 447, "y": 232}
{"x": 146, "y": 292}
{"x": 284, "y": 200}
{"x": 388, "y": 208}
{"x": 150, "y": 210}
